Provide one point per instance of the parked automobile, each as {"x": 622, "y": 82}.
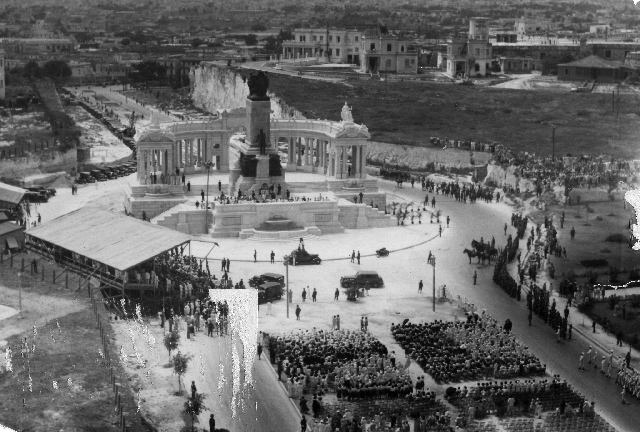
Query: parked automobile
{"x": 270, "y": 291}
{"x": 85, "y": 177}
{"x": 368, "y": 279}
{"x": 256, "y": 281}
{"x": 98, "y": 175}
{"x": 302, "y": 257}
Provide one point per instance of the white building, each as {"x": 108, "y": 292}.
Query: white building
{"x": 335, "y": 45}
{"x": 526, "y": 26}
{"x": 384, "y": 53}
{"x": 470, "y": 57}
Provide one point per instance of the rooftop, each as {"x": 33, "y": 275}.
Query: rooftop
{"x": 11, "y": 194}
{"x": 113, "y": 239}
{"x": 594, "y": 61}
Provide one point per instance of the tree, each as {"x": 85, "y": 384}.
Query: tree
{"x": 56, "y": 69}
{"x": 32, "y": 69}
{"x": 251, "y": 39}
{"x": 149, "y": 71}
{"x": 171, "y": 341}
{"x": 194, "y": 406}
{"x": 180, "y": 364}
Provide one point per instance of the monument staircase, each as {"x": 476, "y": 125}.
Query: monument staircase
{"x": 185, "y": 218}
{"x": 364, "y": 216}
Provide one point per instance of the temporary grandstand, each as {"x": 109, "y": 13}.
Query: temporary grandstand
{"x": 105, "y": 246}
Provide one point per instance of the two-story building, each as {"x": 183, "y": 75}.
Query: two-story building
{"x": 387, "y": 53}
{"x": 471, "y": 56}
{"x": 334, "y": 45}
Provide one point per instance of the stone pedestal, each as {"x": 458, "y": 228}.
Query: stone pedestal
{"x": 258, "y": 117}
{"x": 262, "y": 170}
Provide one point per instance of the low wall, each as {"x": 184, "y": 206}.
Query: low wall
{"x": 188, "y": 221}
{"x": 152, "y": 207}
{"x": 230, "y": 219}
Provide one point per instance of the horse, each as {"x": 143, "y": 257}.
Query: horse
{"x": 471, "y": 254}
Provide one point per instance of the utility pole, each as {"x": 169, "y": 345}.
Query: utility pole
{"x": 553, "y": 143}
{"x": 286, "y": 265}
{"x": 206, "y": 207}
{"x": 432, "y": 262}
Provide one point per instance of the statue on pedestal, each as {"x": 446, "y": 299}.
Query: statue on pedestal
{"x": 346, "y": 113}
{"x": 258, "y": 86}
{"x": 261, "y": 140}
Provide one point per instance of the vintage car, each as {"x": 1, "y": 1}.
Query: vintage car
{"x": 301, "y": 257}
{"x": 270, "y": 291}
{"x": 362, "y": 279}
{"x": 256, "y": 281}
{"x": 85, "y": 177}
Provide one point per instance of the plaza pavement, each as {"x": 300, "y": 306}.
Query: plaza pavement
{"x": 399, "y": 299}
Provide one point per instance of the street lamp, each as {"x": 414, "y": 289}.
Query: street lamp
{"x": 286, "y": 265}
{"x": 209, "y": 165}
{"x": 432, "y": 262}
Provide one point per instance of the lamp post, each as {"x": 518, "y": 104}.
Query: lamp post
{"x": 286, "y": 265}
{"x": 209, "y": 165}
{"x": 433, "y": 264}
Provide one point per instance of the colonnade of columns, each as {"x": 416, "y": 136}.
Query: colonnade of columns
{"x": 326, "y": 156}
{"x": 155, "y": 165}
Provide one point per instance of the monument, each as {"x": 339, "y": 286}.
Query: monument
{"x": 257, "y": 162}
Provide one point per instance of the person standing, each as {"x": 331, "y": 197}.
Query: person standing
{"x": 298, "y": 310}
{"x": 353, "y": 255}
{"x": 314, "y": 295}
{"x": 303, "y": 424}
{"x": 581, "y": 361}
{"x": 338, "y": 323}
{"x": 255, "y": 256}
{"x": 333, "y": 322}
{"x": 475, "y": 277}
{"x": 420, "y": 286}
{"x": 304, "y": 294}
{"x": 193, "y": 389}
{"x": 366, "y": 323}
{"x": 273, "y": 257}
{"x": 259, "y": 351}
{"x": 358, "y": 257}
{"x": 440, "y": 230}
{"x": 212, "y": 423}
{"x": 448, "y": 220}
{"x": 219, "y": 186}
{"x": 336, "y": 294}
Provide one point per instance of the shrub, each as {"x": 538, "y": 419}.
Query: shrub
{"x": 613, "y": 301}
{"x": 634, "y": 274}
{"x": 616, "y": 238}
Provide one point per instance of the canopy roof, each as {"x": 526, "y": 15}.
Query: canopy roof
{"x": 593, "y": 61}
{"x": 11, "y": 194}
{"x": 113, "y": 239}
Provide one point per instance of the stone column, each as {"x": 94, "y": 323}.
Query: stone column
{"x": 355, "y": 161}
{"x": 298, "y": 148}
{"x": 363, "y": 162}
{"x": 307, "y": 151}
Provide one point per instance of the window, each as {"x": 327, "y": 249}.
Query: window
{"x": 338, "y": 39}
{"x": 356, "y": 49}
{"x": 372, "y": 47}
{"x": 388, "y": 47}
{"x": 330, "y": 54}
{"x": 330, "y": 38}
{"x": 477, "y": 52}
{"x": 388, "y": 64}
{"x": 413, "y": 61}
{"x": 566, "y": 71}
{"x": 321, "y": 38}
{"x": 477, "y": 68}
{"x": 607, "y": 53}
{"x": 401, "y": 48}
{"x": 313, "y": 38}
{"x": 356, "y": 38}
{"x": 302, "y": 38}
{"x": 337, "y": 51}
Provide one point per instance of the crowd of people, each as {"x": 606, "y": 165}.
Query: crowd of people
{"x": 469, "y": 350}
{"x": 515, "y": 397}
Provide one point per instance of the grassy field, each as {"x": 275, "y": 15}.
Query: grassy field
{"x": 411, "y": 112}
{"x": 61, "y": 353}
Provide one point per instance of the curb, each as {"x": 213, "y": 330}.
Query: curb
{"x": 281, "y": 385}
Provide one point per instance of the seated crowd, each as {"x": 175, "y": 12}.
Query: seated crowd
{"x": 515, "y": 397}
{"x": 471, "y": 350}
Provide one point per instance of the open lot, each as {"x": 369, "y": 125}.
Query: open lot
{"x": 411, "y": 112}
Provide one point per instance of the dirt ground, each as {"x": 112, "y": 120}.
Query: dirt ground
{"x": 411, "y": 112}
